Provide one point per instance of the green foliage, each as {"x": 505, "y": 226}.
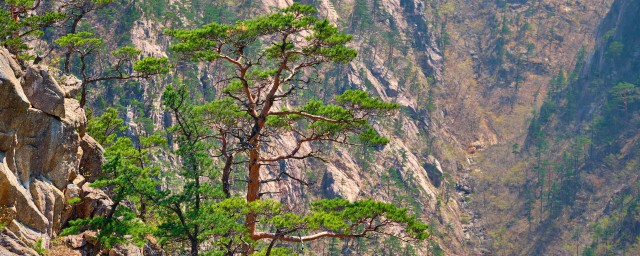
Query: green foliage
{"x": 615, "y": 48}
{"x": 626, "y": 94}
{"x": 84, "y": 42}
{"x": 39, "y": 248}
{"x": 87, "y": 49}
{"x": 123, "y": 227}
{"x": 16, "y": 24}
{"x": 105, "y": 128}
{"x": 74, "y": 200}
{"x": 324, "y": 41}
{"x": 361, "y": 16}
{"x": 371, "y": 137}
{"x": 129, "y": 177}
{"x": 151, "y": 65}
{"x": 361, "y": 100}
{"x": 340, "y": 213}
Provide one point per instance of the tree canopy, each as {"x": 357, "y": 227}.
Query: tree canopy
{"x": 272, "y": 59}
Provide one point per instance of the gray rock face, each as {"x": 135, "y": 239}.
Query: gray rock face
{"x": 75, "y": 116}
{"x": 11, "y": 63}
{"x": 40, "y": 157}
{"x": 95, "y": 202}
{"x": 92, "y": 158}
{"x": 10, "y": 244}
{"x": 12, "y": 95}
{"x": 43, "y": 91}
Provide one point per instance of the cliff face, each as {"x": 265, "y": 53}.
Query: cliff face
{"x": 572, "y": 187}
{"x": 41, "y": 133}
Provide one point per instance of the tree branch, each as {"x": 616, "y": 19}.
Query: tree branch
{"x": 307, "y": 115}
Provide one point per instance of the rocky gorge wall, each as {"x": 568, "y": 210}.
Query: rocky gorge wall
{"x": 46, "y": 157}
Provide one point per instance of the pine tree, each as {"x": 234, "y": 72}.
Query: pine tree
{"x": 127, "y": 66}
{"x": 191, "y": 203}
{"x": 272, "y": 56}
{"x": 17, "y": 23}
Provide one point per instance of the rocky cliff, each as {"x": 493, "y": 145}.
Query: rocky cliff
{"x": 42, "y": 144}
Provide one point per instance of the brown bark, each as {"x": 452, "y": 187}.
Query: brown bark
{"x": 253, "y": 189}
{"x": 226, "y": 174}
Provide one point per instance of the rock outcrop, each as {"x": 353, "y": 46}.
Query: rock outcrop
{"x": 434, "y": 170}
{"x": 43, "y": 91}
{"x": 40, "y": 156}
{"x": 92, "y": 158}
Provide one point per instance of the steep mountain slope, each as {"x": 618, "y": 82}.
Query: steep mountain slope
{"x": 469, "y": 75}
{"x": 573, "y": 187}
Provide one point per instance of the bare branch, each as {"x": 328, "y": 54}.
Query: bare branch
{"x": 307, "y": 115}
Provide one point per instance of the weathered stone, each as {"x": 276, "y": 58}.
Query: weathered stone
{"x": 11, "y": 62}
{"x": 13, "y": 96}
{"x": 75, "y": 116}
{"x": 91, "y": 237}
{"x": 10, "y": 245}
{"x": 56, "y": 148}
{"x": 13, "y": 194}
{"x": 7, "y": 214}
{"x": 152, "y": 248}
{"x": 72, "y": 191}
{"x": 92, "y": 158}
{"x": 29, "y": 235}
{"x": 126, "y": 250}
{"x": 75, "y": 241}
{"x": 71, "y": 86}
{"x": 95, "y": 202}
{"x": 39, "y": 156}
{"x": 464, "y": 188}
{"x": 41, "y": 145}
{"x": 50, "y": 202}
{"x": 43, "y": 91}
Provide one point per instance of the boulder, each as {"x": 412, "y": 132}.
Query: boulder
{"x": 43, "y": 91}
{"x": 75, "y": 241}
{"x": 92, "y": 158}
{"x": 13, "y": 194}
{"x": 47, "y": 146}
{"x": 95, "y": 202}
{"x": 125, "y": 250}
{"x": 91, "y": 237}
{"x": 465, "y": 184}
{"x": 152, "y": 248}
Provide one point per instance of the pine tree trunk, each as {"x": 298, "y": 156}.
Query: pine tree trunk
{"x": 253, "y": 190}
